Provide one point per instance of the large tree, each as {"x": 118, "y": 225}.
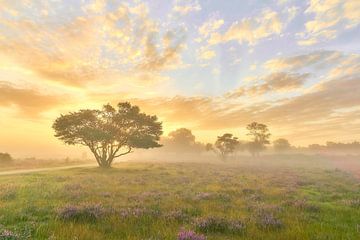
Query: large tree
{"x": 224, "y": 145}
{"x": 260, "y": 137}
{"x": 109, "y": 132}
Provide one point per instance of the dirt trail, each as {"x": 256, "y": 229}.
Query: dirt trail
{"x": 35, "y": 170}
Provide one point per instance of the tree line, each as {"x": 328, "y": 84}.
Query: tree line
{"x": 112, "y": 132}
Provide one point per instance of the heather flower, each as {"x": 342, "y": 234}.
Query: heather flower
{"x": 190, "y": 235}
{"x": 8, "y": 235}
{"x": 213, "y": 224}
{"x": 178, "y": 215}
{"x": 132, "y": 212}
{"x": 85, "y": 212}
{"x": 138, "y": 212}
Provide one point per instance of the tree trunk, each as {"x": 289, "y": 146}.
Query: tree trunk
{"x": 104, "y": 164}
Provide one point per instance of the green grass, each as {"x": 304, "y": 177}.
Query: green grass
{"x": 310, "y": 200}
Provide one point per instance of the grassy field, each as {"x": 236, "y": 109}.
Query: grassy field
{"x": 285, "y": 198}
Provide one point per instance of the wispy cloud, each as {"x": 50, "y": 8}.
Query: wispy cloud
{"x": 330, "y": 18}
{"x": 251, "y": 30}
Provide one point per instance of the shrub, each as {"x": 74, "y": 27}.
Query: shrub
{"x": 190, "y": 235}
{"x": 138, "y": 212}
{"x": 268, "y": 221}
{"x": 81, "y": 213}
{"x": 213, "y": 224}
{"x": 5, "y": 158}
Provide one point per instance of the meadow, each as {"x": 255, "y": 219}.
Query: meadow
{"x": 283, "y": 197}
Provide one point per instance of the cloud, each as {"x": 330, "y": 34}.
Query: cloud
{"x": 166, "y": 59}
{"x": 298, "y": 62}
{"x": 92, "y": 47}
{"x": 184, "y": 7}
{"x": 29, "y": 102}
{"x": 275, "y": 82}
{"x": 332, "y": 95}
{"x": 292, "y": 12}
{"x": 331, "y": 17}
{"x": 251, "y": 30}
{"x": 205, "y": 54}
{"x": 210, "y": 26}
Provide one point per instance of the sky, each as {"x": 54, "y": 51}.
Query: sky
{"x": 208, "y": 65}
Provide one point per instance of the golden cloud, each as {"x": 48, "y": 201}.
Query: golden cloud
{"x": 91, "y": 47}
{"x": 331, "y": 17}
{"x": 29, "y": 102}
{"x": 184, "y": 7}
{"x": 274, "y": 82}
{"x": 298, "y": 62}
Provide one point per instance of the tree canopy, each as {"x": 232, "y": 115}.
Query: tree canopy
{"x": 110, "y": 132}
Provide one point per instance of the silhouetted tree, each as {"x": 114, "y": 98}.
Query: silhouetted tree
{"x": 110, "y": 132}
{"x": 260, "y": 137}
{"x": 281, "y": 145}
{"x": 224, "y": 145}
{"x": 5, "y": 158}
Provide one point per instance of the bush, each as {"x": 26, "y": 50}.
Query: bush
{"x": 219, "y": 225}
{"x": 81, "y": 213}
{"x": 5, "y": 158}
{"x": 268, "y": 221}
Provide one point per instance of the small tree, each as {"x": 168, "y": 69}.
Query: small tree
{"x": 110, "y": 132}
{"x": 224, "y": 145}
{"x": 260, "y": 138}
{"x": 5, "y": 158}
{"x": 281, "y": 145}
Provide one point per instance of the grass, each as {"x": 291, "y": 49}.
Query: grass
{"x": 279, "y": 199}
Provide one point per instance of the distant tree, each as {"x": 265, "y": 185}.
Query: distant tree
{"x": 109, "y": 132}
{"x": 224, "y": 145}
{"x": 182, "y": 140}
{"x": 5, "y": 158}
{"x": 281, "y": 145}
{"x": 260, "y": 137}
{"x": 182, "y": 136}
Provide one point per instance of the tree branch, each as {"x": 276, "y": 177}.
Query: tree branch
{"x": 124, "y": 153}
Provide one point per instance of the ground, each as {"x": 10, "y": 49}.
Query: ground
{"x": 269, "y": 198}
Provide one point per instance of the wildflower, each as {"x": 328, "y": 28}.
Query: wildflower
{"x": 190, "y": 235}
